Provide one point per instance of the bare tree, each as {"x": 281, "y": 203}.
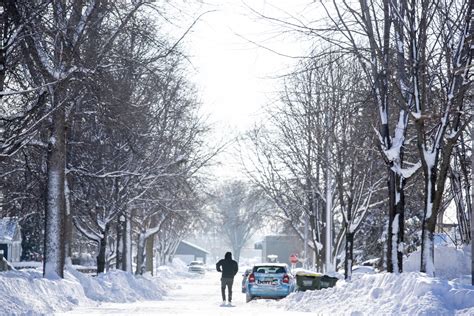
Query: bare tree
{"x": 438, "y": 126}
{"x": 239, "y": 210}
{"x": 3, "y": 32}
{"x": 405, "y": 49}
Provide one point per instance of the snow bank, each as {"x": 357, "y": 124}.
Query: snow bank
{"x": 118, "y": 286}
{"x": 177, "y": 269}
{"x": 409, "y": 293}
{"x": 450, "y": 263}
{"x": 30, "y": 293}
{"x": 27, "y": 292}
{"x": 387, "y": 294}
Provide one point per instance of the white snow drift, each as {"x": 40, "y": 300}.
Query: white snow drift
{"x": 27, "y": 292}
{"x": 409, "y": 293}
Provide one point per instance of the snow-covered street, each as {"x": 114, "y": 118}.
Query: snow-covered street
{"x": 192, "y": 296}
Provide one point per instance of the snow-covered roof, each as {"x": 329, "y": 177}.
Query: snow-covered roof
{"x": 8, "y": 228}
{"x": 194, "y": 246}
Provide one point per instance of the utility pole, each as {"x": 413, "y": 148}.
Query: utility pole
{"x": 328, "y": 246}
{"x": 305, "y": 246}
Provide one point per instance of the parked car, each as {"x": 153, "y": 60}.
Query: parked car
{"x": 245, "y": 276}
{"x": 269, "y": 280}
{"x": 197, "y": 267}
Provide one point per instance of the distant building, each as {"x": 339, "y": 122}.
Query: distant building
{"x": 188, "y": 252}
{"x": 10, "y": 239}
{"x": 281, "y": 246}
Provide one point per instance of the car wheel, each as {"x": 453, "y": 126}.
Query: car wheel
{"x": 248, "y": 297}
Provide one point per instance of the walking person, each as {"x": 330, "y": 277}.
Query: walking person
{"x": 229, "y": 269}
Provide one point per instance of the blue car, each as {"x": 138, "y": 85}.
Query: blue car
{"x": 269, "y": 280}
{"x": 245, "y": 277}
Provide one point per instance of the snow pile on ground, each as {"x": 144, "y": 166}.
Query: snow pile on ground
{"x": 118, "y": 286}
{"x": 176, "y": 269}
{"x": 27, "y": 292}
{"x": 387, "y": 294}
{"x": 450, "y": 263}
{"x": 409, "y": 293}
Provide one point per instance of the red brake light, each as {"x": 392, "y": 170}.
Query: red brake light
{"x": 251, "y": 278}
{"x": 286, "y": 278}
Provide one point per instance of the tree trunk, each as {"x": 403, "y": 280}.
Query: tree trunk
{"x": 101, "y": 256}
{"x": 396, "y": 222}
{"x": 68, "y": 227}
{"x": 127, "y": 255}
{"x": 236, "y": 253}
{"x": 3, "y": 28}
{"x": 55, "y": 200}
{"x": 472, "y": 197}
{"x": 122, "y": 243}
{"x": 430, "y": 213}
{"x": 141, "y": 254}
{"x": 471, "y": 32}
{"x": 162, "y": 259}
{"x": 123, "y": 247}
{"x": 427, "y": 248}
{"x": 322, "y": 251}
{"x": 459, "y": 202}
{"x": 149, "y": 254}
{"x": 348, "y": 261}
{"x": 466, "y": 184}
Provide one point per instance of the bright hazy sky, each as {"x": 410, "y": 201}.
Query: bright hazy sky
{"x": 234, "y": 76}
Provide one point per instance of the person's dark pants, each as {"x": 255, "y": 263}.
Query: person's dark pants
{"x": 227, "y": 282}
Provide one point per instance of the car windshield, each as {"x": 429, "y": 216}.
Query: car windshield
{"x": 196, "y": 263}
{"x": 269, "y": 269}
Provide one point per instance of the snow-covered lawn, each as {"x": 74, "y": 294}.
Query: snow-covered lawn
{"x": 174, "y": 291}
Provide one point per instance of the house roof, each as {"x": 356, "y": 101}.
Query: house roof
{"x": 8, "y": 228}
{"x": 194, "y": 246}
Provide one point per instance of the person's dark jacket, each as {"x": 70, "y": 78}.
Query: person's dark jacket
{"x": 227, "y": 266}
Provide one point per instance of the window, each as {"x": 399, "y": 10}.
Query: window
{"x": 269, "y": 269}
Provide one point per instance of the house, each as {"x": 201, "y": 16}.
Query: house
{"x": 10, "y": 239}
{"x": 279, "y": 248}
{"x": 188, "y": 252}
